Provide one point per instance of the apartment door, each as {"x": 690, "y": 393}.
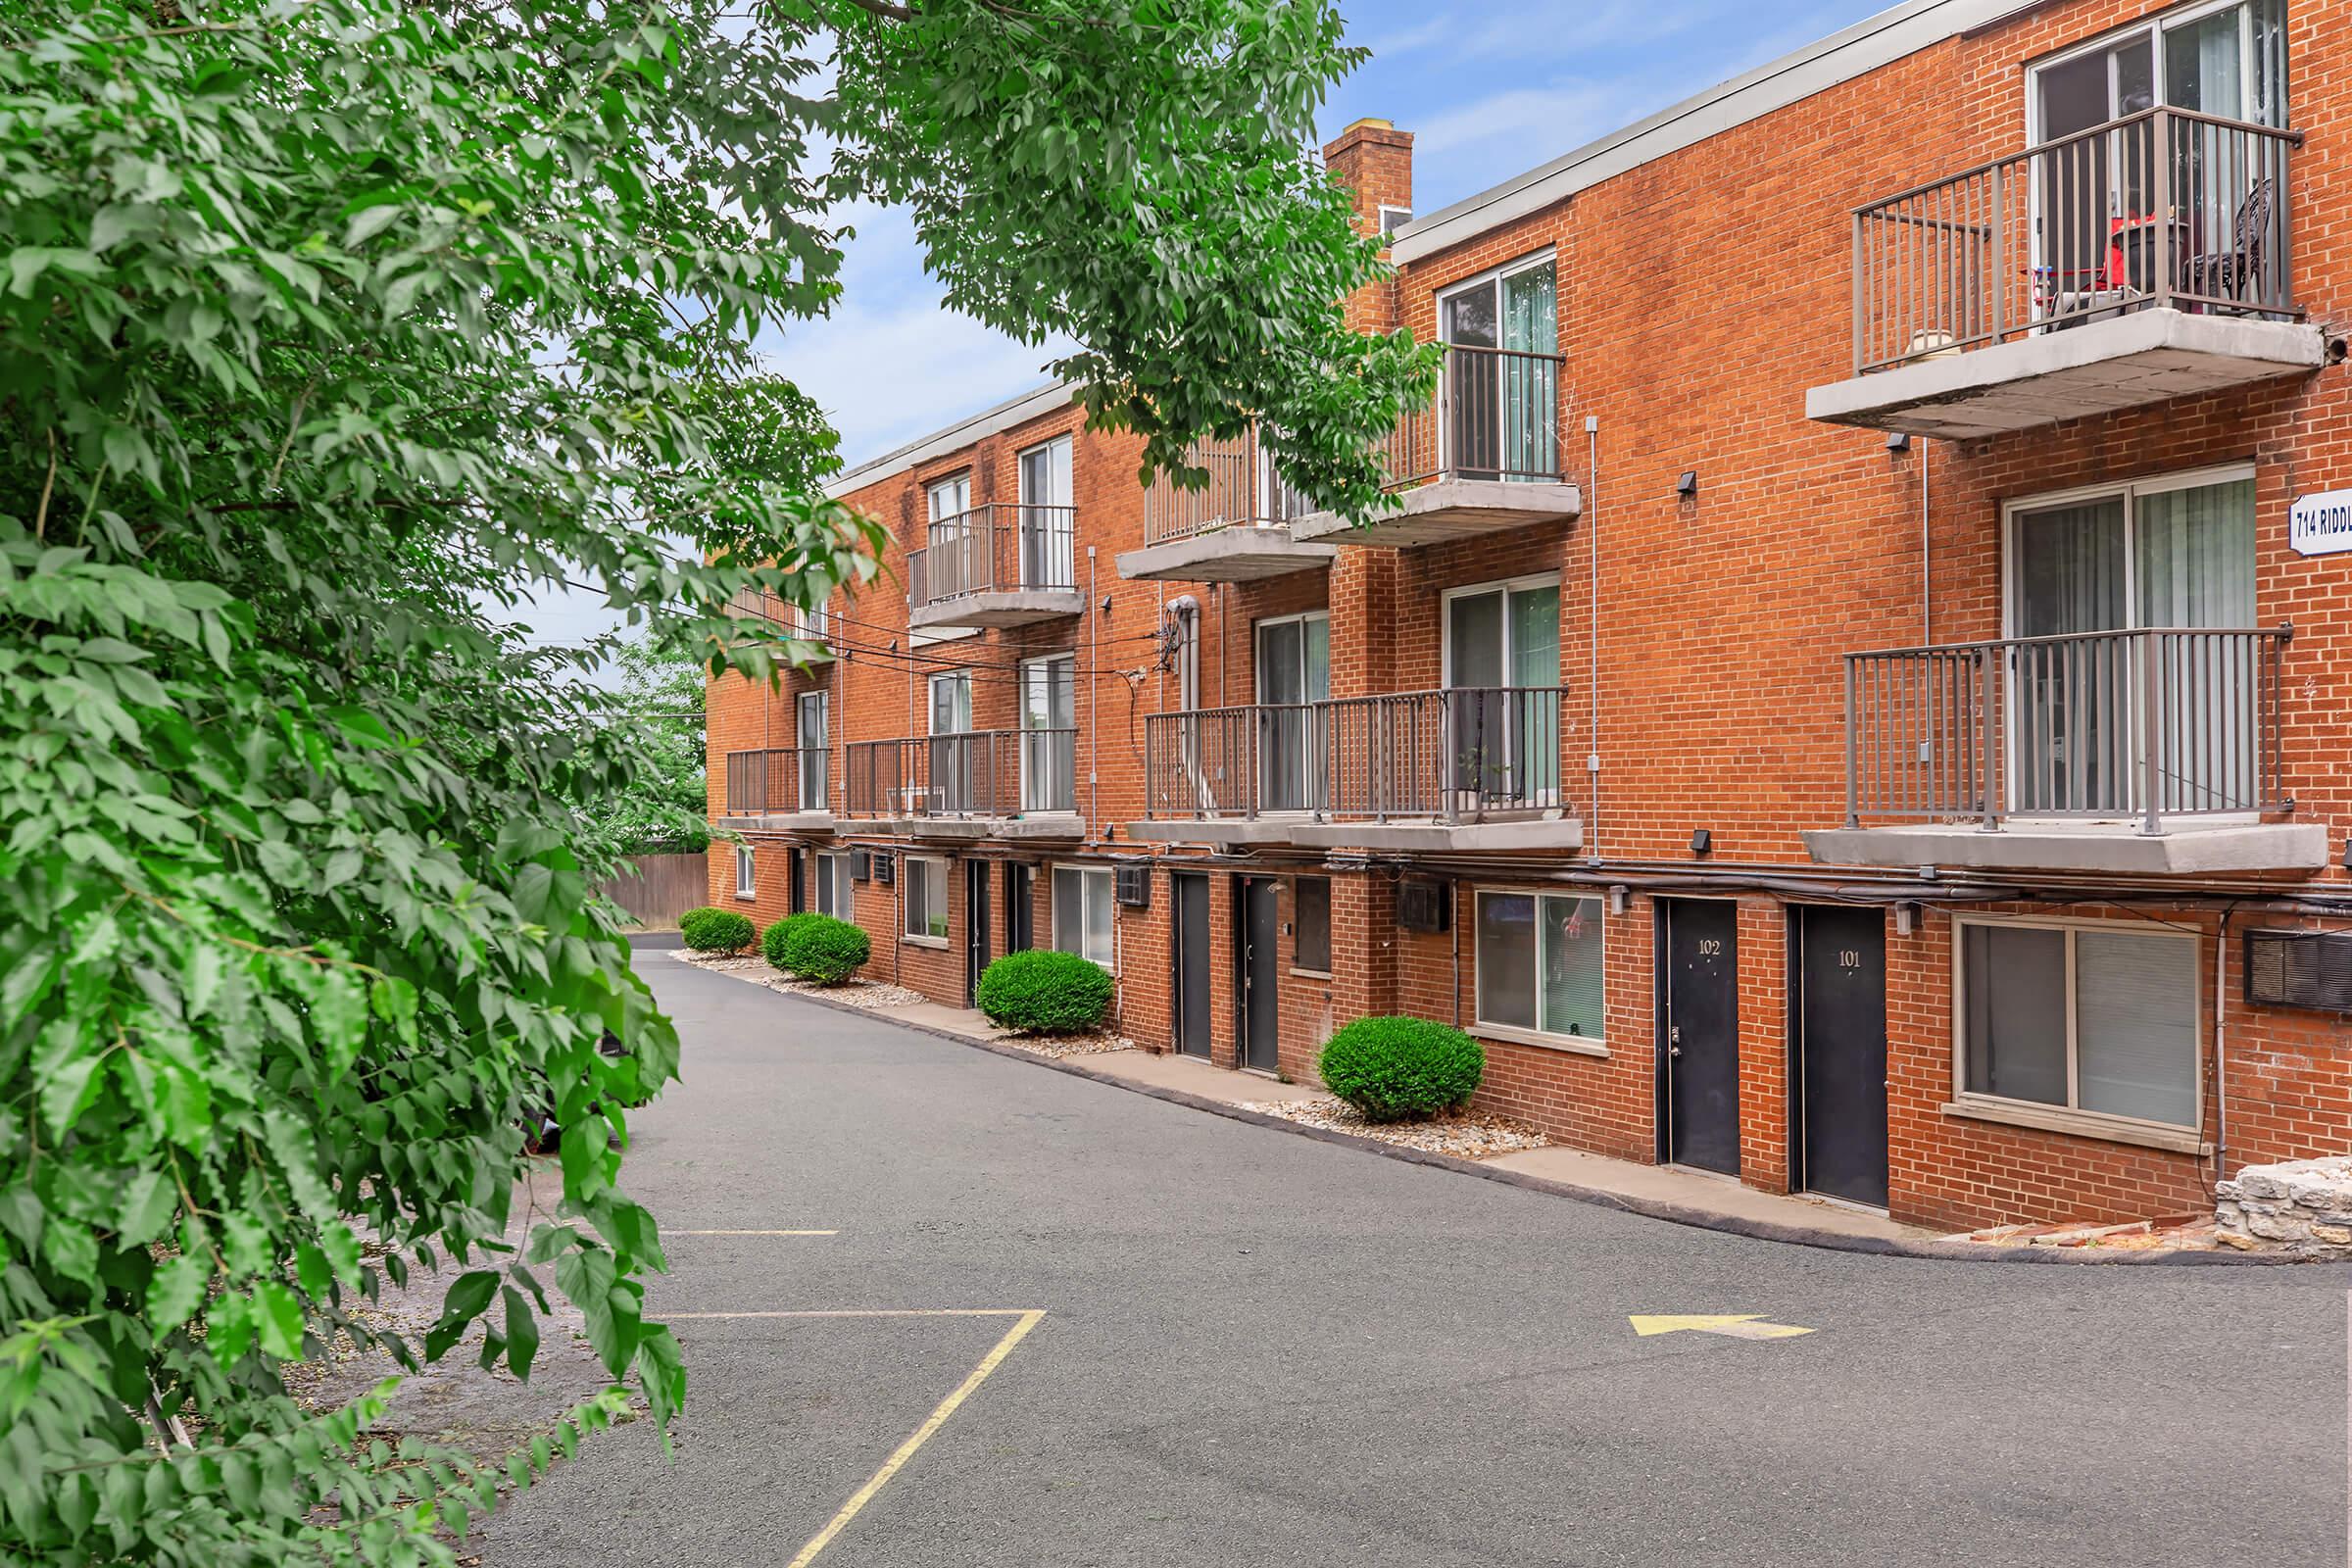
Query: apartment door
{"x": 1503, "y": 675}
{"x": 952, "y": 776}
{"x": 1019, "y": 930}
{"x": 811, "y": 733}
{"x": 1257, "y": 963}
{"x": 951, "y": 560}
{"x": 2173, "y": 554}
{"x": 1293, "y": 674}
{"x": 1699, "y": 1090}
{"x": 1838, "y": 1059}
{"x": 1189, "y": 890}
{"x": 975, "y": 928}
{"x": 796, "y": 865}
{"x": 1502, "y": 379}
{"x": 1049, "y": 734}
{"x": 1048, "y": 540}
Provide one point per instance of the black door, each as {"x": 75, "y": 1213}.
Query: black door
{"x": 1191, "y": 963}
{"x": 975, "y": 929}
{"x": 798, "y": 860}
{"x": 1841, "y": 1056}
{"x": 1701, "y": 1090}
{"x": 1018, "y": 932}
{"x": 1256, "y": 955}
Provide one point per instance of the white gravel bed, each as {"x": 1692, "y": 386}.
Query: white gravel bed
{"x": 1465, "y": 1135}
{"x": 1059, "y": 1045}
{"x": 872, "y": 994}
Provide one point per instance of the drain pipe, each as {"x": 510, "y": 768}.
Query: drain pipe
{"x": 1593, "y": 657}
{"x": 1094, "y": 703}
{"x": 1926, "y": 581}
{"x": 1454, "y": 926}
{"x": 2220, "y": 1048}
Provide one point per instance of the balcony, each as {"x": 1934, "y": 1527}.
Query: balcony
{"x": 979, "y": 784}
{"x": 782, "y": 787}
{"x": 1484, "y": 457}
{"x": 2133, "y": 263}
{"x": 1464, "y": 768}
{"x": 1235, "y": 529}
{"x": 2133, "y": 752}
{"x": 1002, "y": 564}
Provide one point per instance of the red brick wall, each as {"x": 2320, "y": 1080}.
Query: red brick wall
{"x": 1700, "y": 296}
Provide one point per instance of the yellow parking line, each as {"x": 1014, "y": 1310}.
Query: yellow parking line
{"x": 751, "y": 1233}
{"x": 1029, "y": 1318}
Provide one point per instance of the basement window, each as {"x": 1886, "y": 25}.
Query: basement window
{"x": 1082, "y": 912}
{"x": 1311, "y": 921}
{"x": 745, "y": 884}
{"x": 1540, "y": 965}
{"x": 926, "y": 899}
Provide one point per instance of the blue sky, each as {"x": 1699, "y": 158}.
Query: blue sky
{"x": 1488, "y": 90}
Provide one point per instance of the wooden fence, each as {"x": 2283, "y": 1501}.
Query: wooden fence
{"x": 662, "y": 888}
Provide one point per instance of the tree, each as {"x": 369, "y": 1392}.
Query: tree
{"x": 659, "y": 701}
{"x": 327, "y": 327}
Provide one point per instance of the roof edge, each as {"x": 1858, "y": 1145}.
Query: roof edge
{"x": 1018, "y": 409}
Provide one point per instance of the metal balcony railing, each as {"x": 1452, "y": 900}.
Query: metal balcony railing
{"x": 2147, "y": 724}
{"x": 1003, "y": 546}
{"x": 1461, "y": 754}
{"x": 1243, "y": 491}
{"x": 1495, "y": 415}
{"x": 2166, "y": 207}
{"x": 786, "y": 778}
{"x": 976, "y": 773}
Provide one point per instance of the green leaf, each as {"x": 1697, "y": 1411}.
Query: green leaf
{"x": 523, "y": 1332}
{"x": 175, "y": 1292}
{"x": 149, "y": 1202}
{"x": 278, "y": 1313}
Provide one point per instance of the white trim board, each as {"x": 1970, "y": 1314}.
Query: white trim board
{"x": 987, "y": 423}
{"x": 1857, "y": 51}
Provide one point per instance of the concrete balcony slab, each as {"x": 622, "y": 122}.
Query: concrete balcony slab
{"x": 1445, "y": 838}
{"x": 1010, "y": 606}
{"x": 1042, "y": 826}
{"x": 1449, "y": 509}
{"x": 1222, "y": 832}
{"x": 1238, "y": 554}
{"x": 2115, "y": 848}
{"x": 2119, "y": 362}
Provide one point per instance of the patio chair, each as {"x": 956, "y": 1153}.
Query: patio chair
{"x": 2231, "y": 273}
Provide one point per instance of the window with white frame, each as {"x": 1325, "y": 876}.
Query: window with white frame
{"x": 950, "y": 497}
{"x": 1502, "y": 380}
{"x": 2078, "y": 1016}
{"x": 835, "y": 890}
{"x": 1050, "y": 733}
{"x": 925, "y": 885}
{"x": 745, "y": 884}
{"x": 1540, "y": 963}
{"x": 1082, "y": 912}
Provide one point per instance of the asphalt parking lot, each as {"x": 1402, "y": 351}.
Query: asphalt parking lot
{"x": 1246, "y": 1346}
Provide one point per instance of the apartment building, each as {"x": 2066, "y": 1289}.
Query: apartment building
{"x": 1851, "y": 695}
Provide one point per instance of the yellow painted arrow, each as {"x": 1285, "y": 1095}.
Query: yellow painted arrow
{"x": 1736, "y": 1325}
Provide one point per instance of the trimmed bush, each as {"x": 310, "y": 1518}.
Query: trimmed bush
{"x": 1396, "y": 1070}
{"x": 773, "y": 939}
{"x": 710, "y": 930}
{"x": 1045, "y": 993}
{"x": 823, "y": 950}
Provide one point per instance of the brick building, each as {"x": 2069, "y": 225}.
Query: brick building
{"x": 1849, "y": 697}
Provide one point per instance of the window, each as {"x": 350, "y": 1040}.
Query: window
{"x": 811, "y": 733}
{"x": 1049, "y": 734}
{"x": 954, "y": 775}
{"x": 1540, "y": 963}
{"x": 1293, "y": 673}
{"x": 1393, "y": 219}
{"x": 836, "y": 894}
{"x": 950, "y": 497}
{"x": 745, "y": 886}
{"x": 1047, "y": 534}
{"x": 1502, "y": 374}
{"x": 927, "y": 888}
{"x": 1502, "y": 665}
{"x": 2097, "y": 1018}
{"x": 1183, "y": 633}
{"x": 1310, "y": 923}
{"x": 1081, "y": 903}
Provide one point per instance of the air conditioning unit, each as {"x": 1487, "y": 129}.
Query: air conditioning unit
{"x": 1424, "y": 903}
{"x": 2300, "y": 969}
{"x": 886, "y": 870}
{"x": 861, "y": 865}
{"x": 1135, "y": 885}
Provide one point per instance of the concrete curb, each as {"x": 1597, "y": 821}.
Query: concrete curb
{"x": 1648, "y": 1208}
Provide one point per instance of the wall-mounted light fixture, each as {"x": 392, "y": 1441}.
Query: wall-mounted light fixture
{"x": 1906, "y": 919}
{"x": 1703, "y": 841}
{"x": 1688, "y": 485}
{"x": 1898, "y": 440}
{"x": 1619, "y": 898}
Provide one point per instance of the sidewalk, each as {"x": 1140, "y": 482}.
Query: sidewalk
{"x": 1722, "y": 1197}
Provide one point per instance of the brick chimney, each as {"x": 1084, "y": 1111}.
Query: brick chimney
{"x": 1374, "y": 160}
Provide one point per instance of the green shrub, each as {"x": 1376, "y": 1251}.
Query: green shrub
{"x": 824, "y": 951}
{"x": 772, "y": 940}
{"x": 1393, "y": 1069}
{"x": 708, "y": 930}
{"x": 1045, "y": 993}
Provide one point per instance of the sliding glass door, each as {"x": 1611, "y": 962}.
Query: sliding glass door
{"x": 1501, "y": 381}
{"x": 1503, "y": 675}
{"x": 1049, "y": 734}
{"x": 952, "y": 784}
{"x": 1293, "y": 674}
{"x": 1047, "y": 541}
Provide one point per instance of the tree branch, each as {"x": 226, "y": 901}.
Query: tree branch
{"x": 884, "y": 7}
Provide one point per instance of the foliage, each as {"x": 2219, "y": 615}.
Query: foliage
{"x": 708, "y": 930}
{"x": 824, "y": 951}
{"x": 658, "y": 700}
{"x": 1395, "y": 1069}
{"x": 328, "y": 328}
{"x": 772, "y": 941}
{"x": 1045, "y": 993}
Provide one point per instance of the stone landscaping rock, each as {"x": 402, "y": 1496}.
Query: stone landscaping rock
{"x": 2302, "y": 1206}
